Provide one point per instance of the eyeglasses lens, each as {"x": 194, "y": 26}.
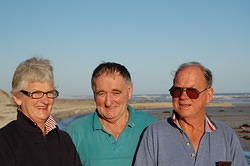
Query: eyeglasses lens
{"x": 175, "y": 91}
{"x": 52, "y": 94}
{"x": 37, "y": 95}
{"x": 191, "y": 92}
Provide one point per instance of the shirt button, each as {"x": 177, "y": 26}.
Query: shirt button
{"x": 193, "y": 155}
{"x": 187, "y": 143}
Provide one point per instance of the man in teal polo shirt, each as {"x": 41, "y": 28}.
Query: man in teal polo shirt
{"x": 110, "y": 135}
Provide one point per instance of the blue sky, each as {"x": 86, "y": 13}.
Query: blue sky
{"x": 151, "y": 38}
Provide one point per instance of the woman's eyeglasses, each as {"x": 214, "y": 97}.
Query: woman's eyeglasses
{"x": 39, "y": 94}
{"x": 192, "y": 93}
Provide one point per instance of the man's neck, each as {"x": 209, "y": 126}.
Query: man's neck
{"x": 115, "y": 127}
{"x": 192, "y": 123}
{"x": 194, "y": 128}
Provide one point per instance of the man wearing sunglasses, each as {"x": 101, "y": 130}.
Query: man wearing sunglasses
{"x": 189, "y": 137}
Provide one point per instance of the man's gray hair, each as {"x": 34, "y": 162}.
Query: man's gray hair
{"x": 206, "y": 72}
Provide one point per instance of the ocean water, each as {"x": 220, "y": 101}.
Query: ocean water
{"x": 218, "y": 97}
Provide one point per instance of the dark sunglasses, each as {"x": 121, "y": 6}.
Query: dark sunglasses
{"x": 192, "y": 93}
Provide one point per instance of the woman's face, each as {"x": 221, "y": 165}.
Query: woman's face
{"x": 37, "y": 110}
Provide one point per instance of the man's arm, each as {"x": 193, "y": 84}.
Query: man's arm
{"x": 238, "y": 157}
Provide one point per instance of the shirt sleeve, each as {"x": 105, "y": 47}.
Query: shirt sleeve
{"x": 237, "y": 154}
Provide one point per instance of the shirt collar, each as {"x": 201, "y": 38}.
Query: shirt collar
{"x": 209, "y": 126}
{"x": 50, "y": 124}
{"x": 131, "y": 122}
{"x": 96, "y": 122}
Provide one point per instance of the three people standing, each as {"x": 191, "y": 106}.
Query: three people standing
{"x": 112, "y": 134}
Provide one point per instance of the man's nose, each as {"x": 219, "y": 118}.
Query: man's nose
{"x": 184, "y": 94}
{"x": 108, "y": 100}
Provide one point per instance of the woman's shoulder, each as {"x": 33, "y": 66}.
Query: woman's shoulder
{"x": 9, "y": 128}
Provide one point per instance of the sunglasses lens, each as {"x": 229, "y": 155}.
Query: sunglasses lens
{"x": 192, "y": 93}
{"x": 175, "y": 91}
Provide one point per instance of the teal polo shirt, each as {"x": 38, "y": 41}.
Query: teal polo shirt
{"x": 97, "y": 147}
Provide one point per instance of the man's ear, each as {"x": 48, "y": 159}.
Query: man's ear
{"x": 130, "y": 90}
{"x": 17, "y": 99}
{"x": 210, "y": 94}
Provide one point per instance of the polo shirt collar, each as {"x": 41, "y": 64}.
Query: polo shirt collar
{"x": 96, "y": 122}
{"x": 131, "y": 122}
{"x": 209, "y": 125}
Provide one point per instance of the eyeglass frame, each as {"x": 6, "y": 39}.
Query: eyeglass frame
{"x": 185, "y": 89}
{"x": 30, "y": 94}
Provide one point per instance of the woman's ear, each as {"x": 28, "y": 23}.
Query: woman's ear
{"x": 17, "y": 99}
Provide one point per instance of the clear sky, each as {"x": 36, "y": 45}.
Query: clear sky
{"x": 151, "y": 38}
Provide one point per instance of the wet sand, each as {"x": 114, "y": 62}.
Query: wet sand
{"x": 236, "y": 116}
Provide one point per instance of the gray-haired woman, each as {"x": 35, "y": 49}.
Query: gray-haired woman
{"x": 34, "y": 138}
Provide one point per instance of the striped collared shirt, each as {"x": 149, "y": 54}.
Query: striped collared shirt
{"x": 209, "y": 126}
{"x": 50, "y": 124}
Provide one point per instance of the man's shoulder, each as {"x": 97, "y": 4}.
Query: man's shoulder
{"x": 82, "y": 120}
{"x": 10, "y": 136}
{"x": 144, "y": 116}
{"x": 165, "y": 124}
{"x": 222, "y": 127}
{"x": 80, "y": 126}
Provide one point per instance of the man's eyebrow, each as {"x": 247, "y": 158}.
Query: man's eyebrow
{"x": 99, "y": 91}
{"x": 118, "y": 90}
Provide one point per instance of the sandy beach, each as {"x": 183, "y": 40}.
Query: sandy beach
{"x": 236, "y": 116}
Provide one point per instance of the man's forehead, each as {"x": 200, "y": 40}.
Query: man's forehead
{"x": 110, "y": 74}
{"x": 191, "y": 70}
{"x": 190, "y": 75}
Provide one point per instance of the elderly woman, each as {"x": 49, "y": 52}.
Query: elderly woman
{"x": 34, "y": 138}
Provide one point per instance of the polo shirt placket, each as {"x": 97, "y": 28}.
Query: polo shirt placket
{"x": 196, "y": 157}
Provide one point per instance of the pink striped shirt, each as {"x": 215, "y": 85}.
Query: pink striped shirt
{"x": 50, "y": 124}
